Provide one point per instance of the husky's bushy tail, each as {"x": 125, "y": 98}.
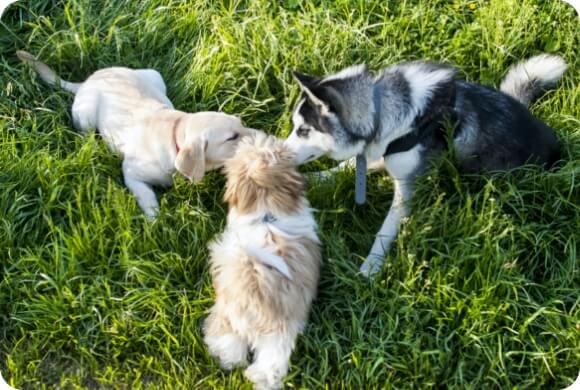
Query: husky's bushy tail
{"x": 527, "y": 80}
{"x": 46, "y": 73}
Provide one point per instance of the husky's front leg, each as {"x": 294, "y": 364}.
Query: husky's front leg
{"x": 403, "y": 168}
{"x": 389, "y": 229}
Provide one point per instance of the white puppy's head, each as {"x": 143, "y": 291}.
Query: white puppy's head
{"x": 205, "y": 140}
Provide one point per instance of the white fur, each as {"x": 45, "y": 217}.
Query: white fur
{"x": 272, "y": 354}
{"x": 230, "y": 349}
{"x": 544, "y": 68}
{"x": 351, "y": 71}
{"x": 269, "y": 258}
{"x": 272, "y": 348}
{"x": 402, "y": 168}
{"x": 135, "y": 117}
{"x": 317, "y": 143}
{"x": 423, "y": 81}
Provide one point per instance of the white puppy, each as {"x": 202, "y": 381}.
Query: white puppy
{"x": 130, "y": 110}
{"x": 265, "y": 265}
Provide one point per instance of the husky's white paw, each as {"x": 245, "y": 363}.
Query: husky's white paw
{"x": 264, "y": 379}
{"x": 371, "y": 266}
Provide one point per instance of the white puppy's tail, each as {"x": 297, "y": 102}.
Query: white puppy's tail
{"x": 525, "y": 81}
{"x": 45, "y": 73}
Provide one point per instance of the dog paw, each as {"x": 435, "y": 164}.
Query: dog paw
{"x": 263, "y": 379}
{"x": 151, "y": 213}
{"x": 371, "y": 266}
{"x": 229, "y": 350}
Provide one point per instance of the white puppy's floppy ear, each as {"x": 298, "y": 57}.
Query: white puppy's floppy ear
{"x": 190, "y": 160}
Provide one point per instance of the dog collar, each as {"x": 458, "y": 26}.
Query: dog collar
{"x": 269, "y": 218}
{"x": 177, "y": 148}
{"x": 174, "y": 131}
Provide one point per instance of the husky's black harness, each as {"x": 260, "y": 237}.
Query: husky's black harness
{"x": 439, "y": 109}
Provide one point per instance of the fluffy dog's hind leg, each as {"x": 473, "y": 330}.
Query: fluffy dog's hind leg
{"x": 223, "y": 343}
{"x": 272, "y": 357}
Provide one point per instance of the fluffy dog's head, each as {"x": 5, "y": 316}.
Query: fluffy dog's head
{"x": 205, "y": 140}
{"x": 262, "y": 175}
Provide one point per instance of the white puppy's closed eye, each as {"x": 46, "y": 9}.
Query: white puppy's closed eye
{"x": 233, "y": 137}
{"x": 190, "y": 160}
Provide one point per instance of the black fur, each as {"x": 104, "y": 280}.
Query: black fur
{"x": 508, "y": 135}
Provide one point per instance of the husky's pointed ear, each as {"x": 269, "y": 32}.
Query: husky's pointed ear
{"x": 308, "y": 85}
{"x": 305, "y": 81}
{"x": 190, "y": 160}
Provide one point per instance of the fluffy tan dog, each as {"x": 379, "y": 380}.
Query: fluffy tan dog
{"x": 265, "y": 265}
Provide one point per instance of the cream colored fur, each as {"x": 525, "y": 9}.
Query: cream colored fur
{"x": 265, "y": 266}
{"x": 134, "y": 116}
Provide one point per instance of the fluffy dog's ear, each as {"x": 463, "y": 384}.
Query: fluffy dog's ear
{"x": 190, "y": 161}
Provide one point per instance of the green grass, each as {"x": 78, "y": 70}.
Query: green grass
{"x": 481, "y": 290}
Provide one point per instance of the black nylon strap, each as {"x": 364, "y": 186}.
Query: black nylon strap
{"x": 427, "y": 123}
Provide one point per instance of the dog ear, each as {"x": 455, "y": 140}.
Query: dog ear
{"x": 305, "y": 80}
{"x": 309, "y": 84}
{"x": 190, "y": 160}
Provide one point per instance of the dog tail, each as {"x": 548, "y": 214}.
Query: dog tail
{"x": 525, "y": 81}
{"x": 269, "y": 259}
{"x": 46, "y": 73}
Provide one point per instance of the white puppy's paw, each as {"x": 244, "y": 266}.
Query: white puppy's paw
{"x": 371, "y": 266}
{"x": 229, "y": 349}
{"x": 264, "y": 379}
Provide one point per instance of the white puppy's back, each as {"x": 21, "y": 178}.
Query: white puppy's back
{"x": 114, "y": 99}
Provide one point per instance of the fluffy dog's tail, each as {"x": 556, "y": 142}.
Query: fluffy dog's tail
{"x": 268, "y": 258}
{"x": 46, "y": 73}
{"x": 525, "y": 81}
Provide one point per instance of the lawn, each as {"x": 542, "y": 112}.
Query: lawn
{"x": 481, "y": 289}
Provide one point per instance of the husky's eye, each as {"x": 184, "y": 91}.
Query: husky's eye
{"x": 234, "y": 137}
{"x": 303, "y": 131}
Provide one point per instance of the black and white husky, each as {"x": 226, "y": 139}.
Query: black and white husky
{"x": 398, "y": 116}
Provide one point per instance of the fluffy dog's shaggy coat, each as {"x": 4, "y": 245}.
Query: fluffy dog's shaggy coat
{"x": 265, "y": 265}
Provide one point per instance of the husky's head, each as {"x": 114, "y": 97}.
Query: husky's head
{"x": 335, "y": 115}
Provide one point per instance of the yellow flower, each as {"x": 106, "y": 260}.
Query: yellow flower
{"x": 472, "y": 6}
